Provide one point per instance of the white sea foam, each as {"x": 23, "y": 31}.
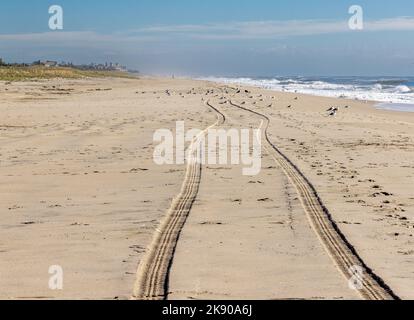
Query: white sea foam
{"x": 369, "y": 90}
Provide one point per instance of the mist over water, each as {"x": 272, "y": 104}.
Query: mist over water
{"x": 394, "y": 93}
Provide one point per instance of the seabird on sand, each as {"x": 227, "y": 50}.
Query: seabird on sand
{"x": 332, "y": 109}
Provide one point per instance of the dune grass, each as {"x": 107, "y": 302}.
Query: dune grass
{"x": 13, "y": 73}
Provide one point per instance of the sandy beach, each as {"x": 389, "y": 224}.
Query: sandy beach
{"x": 80, "y": 189}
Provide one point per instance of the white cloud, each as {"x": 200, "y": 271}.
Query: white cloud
{"x": 219, "y": 31}
{"x": 392, "y": 24}
{"x": 250, "y": 30}
{"x": 275, "y": 29}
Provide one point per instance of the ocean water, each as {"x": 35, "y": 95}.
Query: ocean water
{"x": 392, "y": 93}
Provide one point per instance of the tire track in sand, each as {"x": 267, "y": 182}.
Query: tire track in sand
{"x": 340, "y": 250}
{"x": 153, "y": 271}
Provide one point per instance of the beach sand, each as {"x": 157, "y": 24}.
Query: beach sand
{"x": 79, "y": 189}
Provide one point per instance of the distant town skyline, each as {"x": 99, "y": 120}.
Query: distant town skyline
{"x": 222, "y": 38}
{"x": 109, "y": 66}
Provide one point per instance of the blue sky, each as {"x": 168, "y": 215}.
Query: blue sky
{"x": 227, "y": 37}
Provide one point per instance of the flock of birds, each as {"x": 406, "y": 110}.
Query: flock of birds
{"x": 332, "y": 111}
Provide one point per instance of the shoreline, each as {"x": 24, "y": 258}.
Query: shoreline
{"x": 401, "y": 107}
{"x": 384, "y": 105}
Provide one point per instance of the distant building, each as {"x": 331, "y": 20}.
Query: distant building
{"x": 107, "y": 66}
{"x": 49, "y": 63}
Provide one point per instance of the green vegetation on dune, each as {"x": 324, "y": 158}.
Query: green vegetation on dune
{"x": 13, "y": 73}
